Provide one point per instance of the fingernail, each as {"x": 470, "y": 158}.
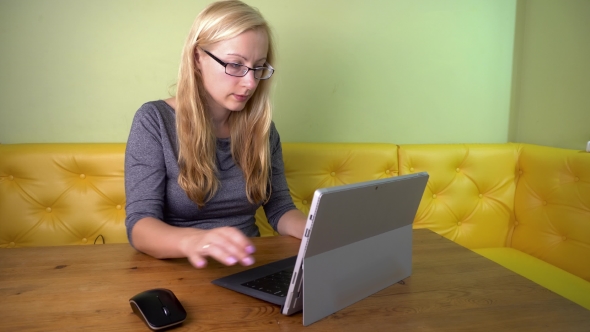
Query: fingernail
{"x": 248, "y": 261}
{"x": 201, "y": 264}
{"x": 231, "y": 260}
{"x": 250, "y": 249}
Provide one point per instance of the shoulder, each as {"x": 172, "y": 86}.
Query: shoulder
{"x": 154, "y": 110}
{"x": 154, "y": 119}
{"x": 273, "y": 133}
{"x": 274, "y": 139}
{"x": 155, "y": 114}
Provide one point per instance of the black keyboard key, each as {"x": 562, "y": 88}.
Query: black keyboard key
{"x": 276, "y": 283}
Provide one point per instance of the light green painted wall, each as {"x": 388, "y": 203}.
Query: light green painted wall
{"x": 551, "y": 103}
{"x": 400, "y": 71}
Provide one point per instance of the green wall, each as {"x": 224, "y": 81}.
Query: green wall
{"x": 551, "y": 98}
{"x": 400, "y": 71}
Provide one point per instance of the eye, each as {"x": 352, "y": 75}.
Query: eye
{"x": 234, "y": 65}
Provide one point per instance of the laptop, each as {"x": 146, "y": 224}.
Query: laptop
{"x": 357, "y": 241}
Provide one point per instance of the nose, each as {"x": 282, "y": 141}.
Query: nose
{"x": 249, "y": 81}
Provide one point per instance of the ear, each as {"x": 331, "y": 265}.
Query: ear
{"x": 197, "y": 58}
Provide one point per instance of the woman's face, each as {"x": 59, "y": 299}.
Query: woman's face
{"x": 229, "y": 93}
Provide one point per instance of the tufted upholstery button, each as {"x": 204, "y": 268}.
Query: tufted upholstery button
{"x": 564, "y": 238}
{"x": 82, "y": 176}
{"x": 387, "y": 171}
{"x": 304, "y": 201}
{"x": 577, "y": 179}
{"x": 458, "y": 223}
{"x": 333, "y": 173}
{"x": 520, "y": 172}
{"x": 544, "y": 202}
{"x": 480, "y": 195}
{"x": 434, "y": 196}
{"x": 411, "y": 169}
{"x": 84, "y": 240}
{"x": 118, "y": 207}
{"x": 11, "y": 245}
{"x": 457, "y": 170}
{"x": 516, "y": 223}
{"x": 48, "y": 209}
{"x": 11, "y": 178}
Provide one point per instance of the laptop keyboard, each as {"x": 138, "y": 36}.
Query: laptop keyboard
{"x": 276, "y": 283}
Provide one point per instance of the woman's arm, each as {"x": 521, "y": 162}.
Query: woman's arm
{"x": 292, "y": 223}
{"x": 225, "y": 244}
{"x": 280, "y": 211}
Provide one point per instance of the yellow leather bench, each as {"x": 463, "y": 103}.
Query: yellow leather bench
{"x": 523, "y": 206}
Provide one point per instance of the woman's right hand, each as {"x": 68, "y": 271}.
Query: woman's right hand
{"x": 227, "y": 245}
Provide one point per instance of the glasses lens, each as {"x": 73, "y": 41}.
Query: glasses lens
{"x": 235, "y": 69}
{"x": 263, "y": 72}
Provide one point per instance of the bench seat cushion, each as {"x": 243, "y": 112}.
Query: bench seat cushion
{"x": 553, "y": 278}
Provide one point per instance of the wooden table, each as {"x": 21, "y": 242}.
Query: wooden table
{"x": 87, "y": 288}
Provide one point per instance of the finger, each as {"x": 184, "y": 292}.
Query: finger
{"x": 197, "y": 261}
{"x": 229, "y": 239}
{"x": 221, "y": 253}
{"x": 238, "y": 240}
{"x": 226, "y": 246}
{"x": 238, "y": 246}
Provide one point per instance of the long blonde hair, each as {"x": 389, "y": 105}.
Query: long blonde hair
{"x": 249, "y": 128}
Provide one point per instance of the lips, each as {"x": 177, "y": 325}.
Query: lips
{"x": 241, "y": 98}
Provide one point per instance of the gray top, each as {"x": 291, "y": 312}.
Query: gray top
{"x": 151, "y": 179}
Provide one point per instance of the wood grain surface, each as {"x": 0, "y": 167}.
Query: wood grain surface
{"x": 87, "y": 288}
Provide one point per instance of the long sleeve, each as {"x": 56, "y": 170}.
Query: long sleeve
{"x": 280, "y": 201}
{"x": 145, "y": 170}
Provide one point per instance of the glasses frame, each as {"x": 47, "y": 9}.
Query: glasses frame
{"x": 224, "y": 64}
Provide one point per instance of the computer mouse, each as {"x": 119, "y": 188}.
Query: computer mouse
{"x": 158, "y": 308}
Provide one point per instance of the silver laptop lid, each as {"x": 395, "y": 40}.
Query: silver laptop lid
{"x": 358, "y": 240}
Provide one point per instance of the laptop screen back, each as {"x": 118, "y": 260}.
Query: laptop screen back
{"x": 360, "y": 242}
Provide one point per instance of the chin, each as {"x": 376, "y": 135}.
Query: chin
{"x": 236, "y": 108}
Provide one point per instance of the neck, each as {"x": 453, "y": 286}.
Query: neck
{"x": 220, "y": 123}
{"x": 219, "y": 119}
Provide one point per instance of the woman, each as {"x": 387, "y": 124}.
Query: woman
{"x": 197, "y": 166}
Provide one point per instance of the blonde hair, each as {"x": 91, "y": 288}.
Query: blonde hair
{"x": 249, "y": 128}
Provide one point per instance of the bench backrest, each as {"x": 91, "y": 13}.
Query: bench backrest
{"x": 470, "y": 194}
{"x": 59, "y": 194}
{"x": 552, "y": 207}
{"x": 532, "y": 198}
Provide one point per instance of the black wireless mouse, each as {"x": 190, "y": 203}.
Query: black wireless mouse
{"x": 158, "y": 308}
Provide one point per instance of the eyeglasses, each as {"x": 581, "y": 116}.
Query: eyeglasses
{"x": 234, "y": 69}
